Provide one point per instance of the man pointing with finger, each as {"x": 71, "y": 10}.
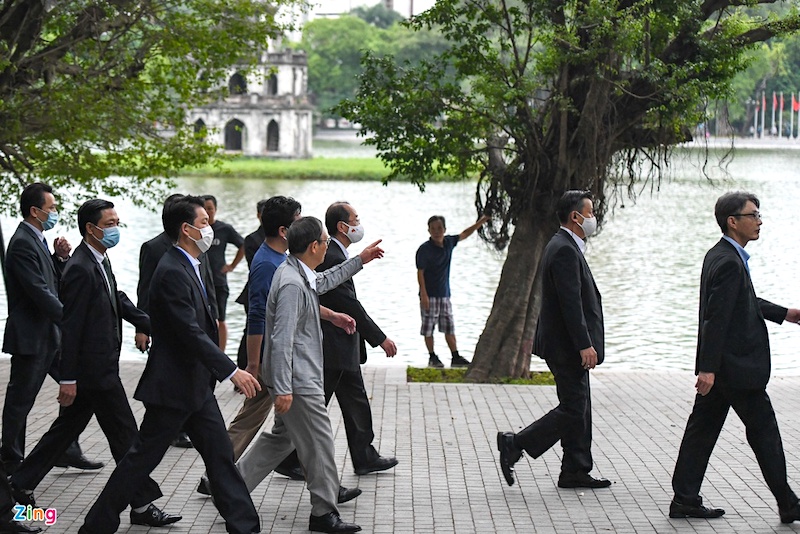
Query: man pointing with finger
{"x": 569, "y": 337}
{"x": 732, "y": 366}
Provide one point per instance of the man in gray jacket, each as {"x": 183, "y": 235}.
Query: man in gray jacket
{"x": 292, "y": 370}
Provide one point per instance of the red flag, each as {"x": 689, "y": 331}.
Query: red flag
{"x": 795, "y": 104}
{"x": 774, "y": 100}
{"x": 763, "y": 100}
{"x": 781, "y": 101}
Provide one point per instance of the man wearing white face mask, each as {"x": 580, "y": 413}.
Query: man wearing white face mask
{"x": 569, "y": 336}
{"x": 343, "y": 351}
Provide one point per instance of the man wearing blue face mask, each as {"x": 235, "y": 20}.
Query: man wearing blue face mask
{"x": 89, "y": 364}
{"x": 32, "y": 334}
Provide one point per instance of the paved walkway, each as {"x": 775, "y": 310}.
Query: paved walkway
{"x": 448, "y": 479}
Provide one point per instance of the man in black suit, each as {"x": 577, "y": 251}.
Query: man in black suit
{"x": 89, "y": 365}
{"x": 569, "y": 336}
{"x": 7, "y": 502}
{"x": 32, "y": 335}
{"x": 177, "y": 384}
{"x": 149, "y": 255}
{"x": 732, "y": 366}
{"x": 343, "y": 353}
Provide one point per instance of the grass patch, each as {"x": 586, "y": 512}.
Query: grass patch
{"x": 303, "y": 169}
{"x": 456, "y": 376}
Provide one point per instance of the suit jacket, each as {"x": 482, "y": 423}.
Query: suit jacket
{"x": 34, "y": 311}
{"x": 732, "y": 339}
{"x": 341, "y": 350}
{"x": 184, "y": 360}
{"x": 91, "y": 330}
{"x": 571, "y": 317}
{"x": 150, "y": 254}
{"x": 251, "y": 244}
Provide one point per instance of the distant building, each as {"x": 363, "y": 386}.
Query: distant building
{"x": 266, "y": 114}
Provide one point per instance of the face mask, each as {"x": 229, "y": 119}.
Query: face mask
{"x": 206, "y": 238}
{"x": 110, "y": 236}
{"x": 589, "y": 225}
{"x": 354, "y": 233}
{"x": 51, "y": 221}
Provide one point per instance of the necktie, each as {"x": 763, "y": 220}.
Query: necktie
{"x": 44, "y": 240}
{"x": 112, "y": 291}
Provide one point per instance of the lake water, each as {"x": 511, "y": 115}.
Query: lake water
{"x": 646, "y": 260}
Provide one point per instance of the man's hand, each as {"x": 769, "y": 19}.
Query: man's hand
{"x": 483, "y": 220}
{"x": 62, "y": 247}
{"x": 66, "y": 394}
{"x": 589, "y": 358}
{"x": 343, "y": 321}
{"x": 253, "y": 370}
{"x": 245, "y": 383}
{"x": 227, "y": 268}
{"x": 371, "y": 252}
{"x": 424, "y": 302}
{"x": 705, "y": 381}
{"x": 282, "y": 404}
{"x": 389, "y": 347}
{"x": 793, "y": 315}
{"x": 142, "y": 341}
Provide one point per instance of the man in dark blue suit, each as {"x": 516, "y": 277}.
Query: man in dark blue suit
{"x": 732, "y": 366}
{"x": 32, "y": 335}
{"x": 89, "y": 365}
{"x": 570, "y": 338}
{"x": 177, "y": 384}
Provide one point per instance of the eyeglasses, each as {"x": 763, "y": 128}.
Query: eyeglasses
{"x": 756, "y": 215}
{"x": 327, "y": 241}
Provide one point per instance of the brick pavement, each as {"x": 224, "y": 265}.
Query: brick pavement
{"x": 448, "y": 480}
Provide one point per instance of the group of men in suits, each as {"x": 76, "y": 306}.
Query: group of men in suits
{"x": 732, "y": 364}
{"x": 176, "y": 307}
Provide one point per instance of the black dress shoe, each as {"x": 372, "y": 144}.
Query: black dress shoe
{"x": 295, "y": 473}
{"x": 509, "y": 455}
{"x": 581, "y": 480}
{"x": 347, "y": 495}
{"x": 13, "y": 527}
{"x": 791, "y": 515}
{"x": 331, "y": 522}
{"x": 381, "y": 463}
{"x": 204, "y": 488}
{"x": 78, "y": 462}
{"x": 182, "y": 441}
{"x": 22, "y": 496}
{"x": 153, "y": 517}
{"x": 681, "y": 511}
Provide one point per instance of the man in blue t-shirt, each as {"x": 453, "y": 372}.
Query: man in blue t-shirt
{"x": 433, "y": 275}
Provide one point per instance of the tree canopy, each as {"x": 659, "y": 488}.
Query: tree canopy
{"x": 540, "y": 96}
{"x": 88, "y": 89}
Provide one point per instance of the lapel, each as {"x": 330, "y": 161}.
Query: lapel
{"x": 568, "y": 237}
{"x": 83, "y": 248}
{"x": 190, "y": 272}
{"x": 729, "y": 249}
{"x": 43, "y": 252}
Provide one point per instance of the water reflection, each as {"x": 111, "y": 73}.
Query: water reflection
{"x": 646, "y": 260}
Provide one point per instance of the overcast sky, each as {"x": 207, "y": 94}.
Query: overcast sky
{"x": 338, "y": 6}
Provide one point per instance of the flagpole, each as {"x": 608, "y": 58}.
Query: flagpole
{"x": 774, "y": 105}
{"x": 763, "y": 111}
{"x": 780, "y": 118}
{"x": 791, "y": 119}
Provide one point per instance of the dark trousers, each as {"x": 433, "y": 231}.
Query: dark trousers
{"x": 116, "y": 420}
{"x": 570, "y": 421}
{"x": 206, "y": 428}
{"x": 348, "y": 386}
{"x": 702, "y": 430}
{"x": 28, "y": 372}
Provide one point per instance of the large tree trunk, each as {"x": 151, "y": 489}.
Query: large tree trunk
{"x": 504, "y": 347}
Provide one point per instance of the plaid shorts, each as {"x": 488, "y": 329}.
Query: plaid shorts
{"x": 440, "y": 311}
